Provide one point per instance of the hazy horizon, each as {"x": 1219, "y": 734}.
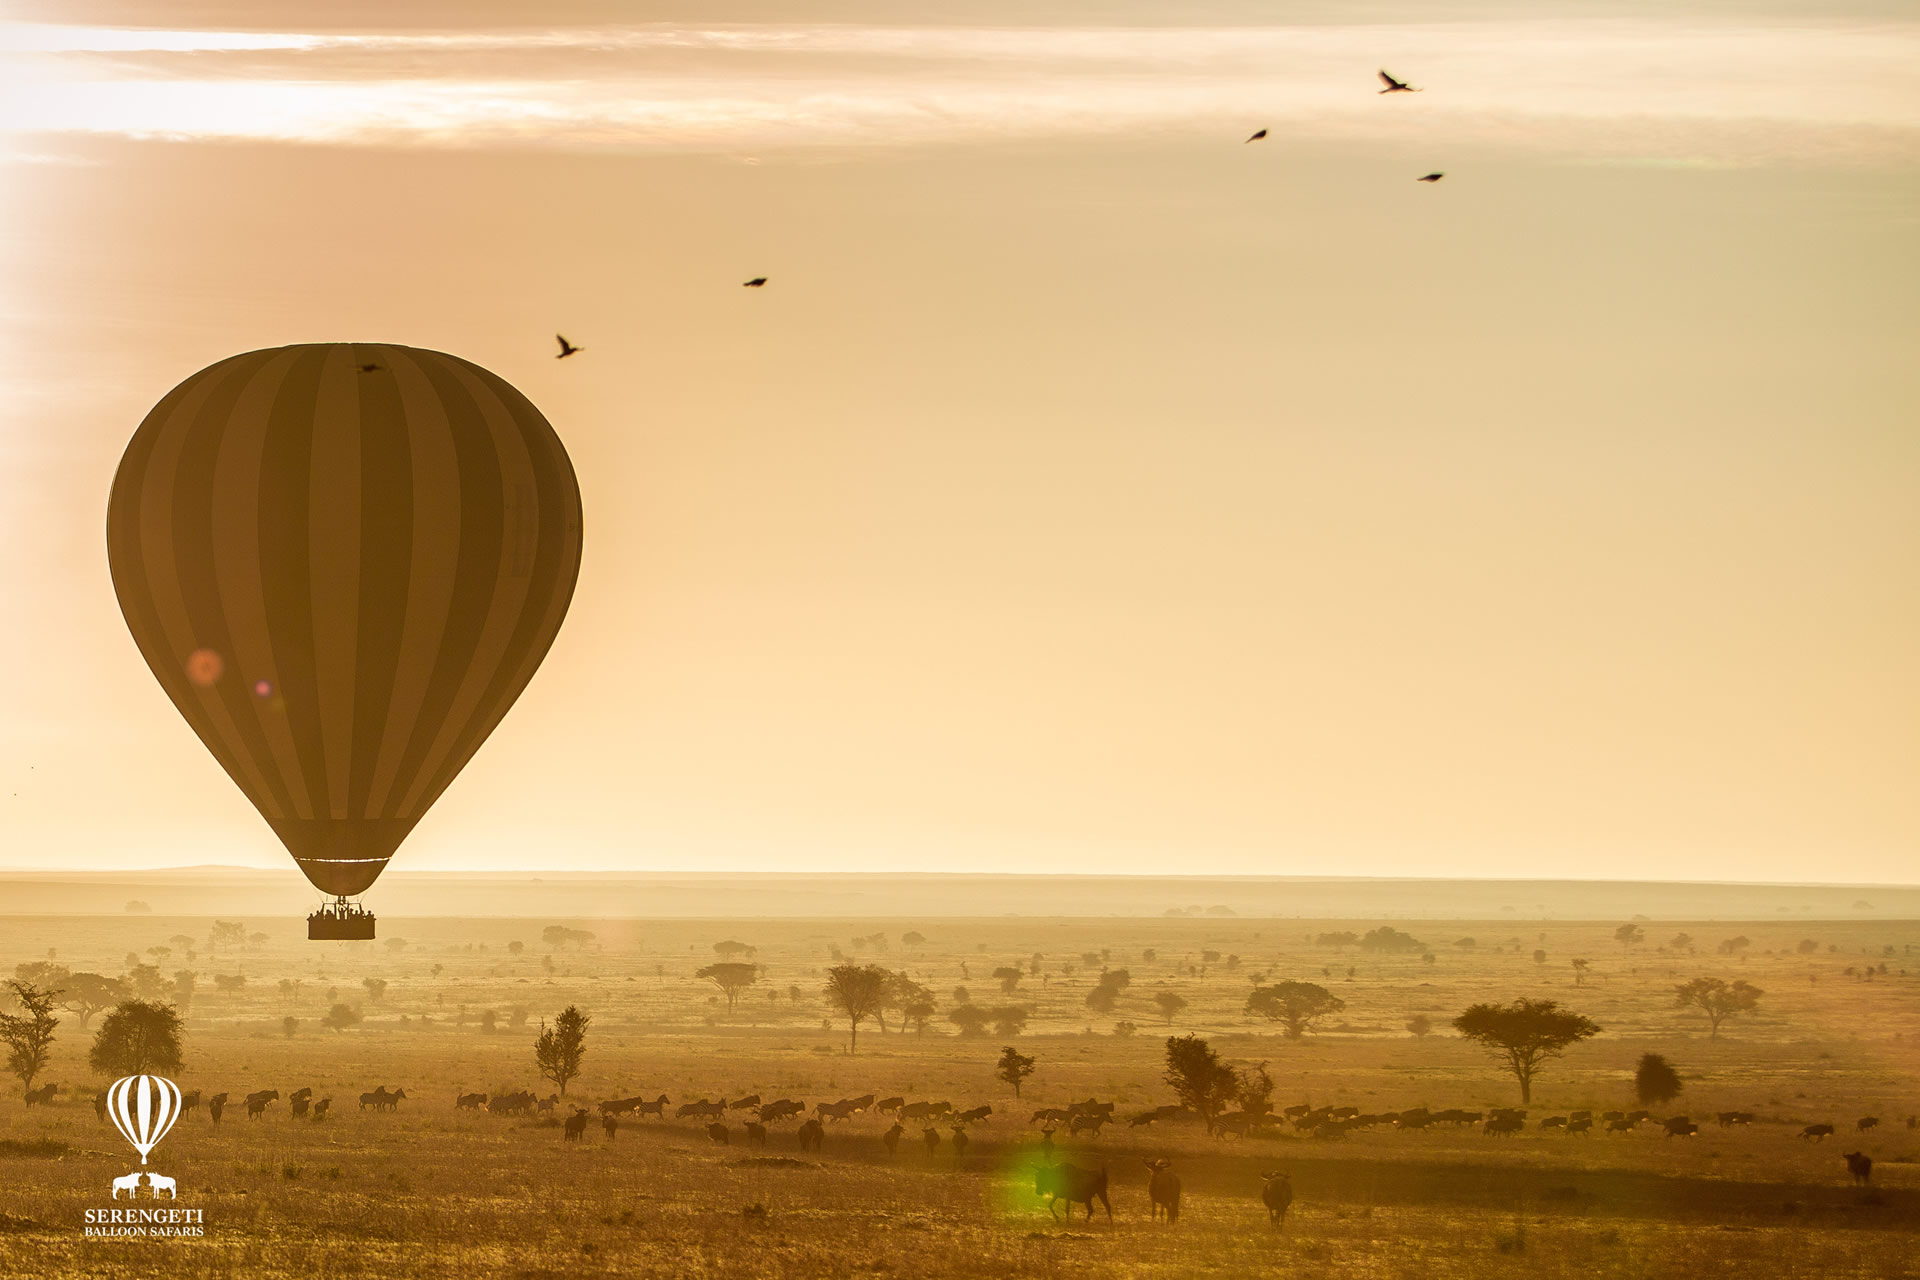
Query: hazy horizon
{"x": 1088, "y": 488}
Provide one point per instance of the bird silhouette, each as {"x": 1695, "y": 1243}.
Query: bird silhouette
{"x": 566, "y": 348}
{"x": 1256, "y": 137}
{"x": 1432, "y": 177}
{"x": 370, "y": 368}
{"x": 754, "y": 283}
{"x": 1396, "y": 86}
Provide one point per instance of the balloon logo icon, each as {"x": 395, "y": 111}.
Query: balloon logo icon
{"x": 343, "y": 563}
{"x": 143, "y": 1109}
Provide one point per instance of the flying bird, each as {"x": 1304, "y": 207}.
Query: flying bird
{"x": 1396, "y": 86}
{"x": 1432, "y": 177}
{"x": 1256, "y": 137}
{"x": 370, "y": 368}
{"x": 754, "y": 283}
{"x": 566, "y": 348}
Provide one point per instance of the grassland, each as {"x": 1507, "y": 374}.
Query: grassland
{"x": 428, "y": 1191}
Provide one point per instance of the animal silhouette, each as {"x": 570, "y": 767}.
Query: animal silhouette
{"x": 159, "y": 1183}
{"x": 129, "y": 1184}
{"x": 566, "y": 348}
{"x": 1396, "y": 86}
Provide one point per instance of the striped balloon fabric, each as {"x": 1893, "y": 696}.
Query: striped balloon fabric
{"x": 143, "y": 1108}
{"x": 344, "y": 562}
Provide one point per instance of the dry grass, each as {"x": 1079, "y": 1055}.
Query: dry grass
{"x": 432, "y": 1192}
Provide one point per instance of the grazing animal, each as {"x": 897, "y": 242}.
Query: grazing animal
{"x": 545, "y": 1106}
{"x": 1258, "y": 134}
{"x": 215, "y": 1105}
{"x": 974, "y": 1115}
{"x": 1154, "y": 1116}
{"x": 188, "y": 1101}
{"x": 609, "y": 1125}
{"x": 702, "y": 1109}
{"x": 257, "y": 1102}
{"x": 1865, "y": 1123}
{"x": 300, "y": 1095}
{"x": 1728, "y": 1119}
{"x": 42, "y": 1095}
{"x": 1163, "y": 1188}
{"x": 1554, "y": 1122}
{"x": 129, "y": 1184}
{"x": 394, "y": 1098}
{"x": 1608, "y": 1117}
{"x": 781, "y": 1110}
{"x": 1091, "y": 1108}
{"x": 1635, "y": 1117}
{"x": 886, "y": 1105}
{"x": 1818, "y": 1132}
{"x": 658, "y": 1107}
{"x": 756, "y": 1134}
{"x": 566, "y": 348}
{"x": 1396, "y": 86}
{"x": 1580, "y": 1115}
{"x": 1075, "y": 1186}
{"x": 1583, "y": 1127}
{"x": 376, "y": 1098}
{"x": 1860, "y": 1166}
{"x": 932, "y": 1138}
{"x": 620, "y": 1106}
{"x": 100, "y": 1107}
{"x": 718, "y": 1132}
{"x": 1050, "y": 1116}
{"x": 891, "y": 1139}
{"x": 1078, "y": 1123}
{"x": 812, "y": 1133}
{"x": 299, "y": 1105}
{"x": 510, "y": 1104}
{"x": 751, "y": 1100}
{"x": 475, "y": 1101}
{"x": 960, "y": 1141}
{"x": 1276, "y": 1192}
{"x": 1680, "y": 1127}
{"x": 159, "y": 1183}
{"x": 576, "y": 1124}
{"x": 320, "y": 1108}
{"x": 1504, "y": 1126}
{"x": 1622, "y": 1125}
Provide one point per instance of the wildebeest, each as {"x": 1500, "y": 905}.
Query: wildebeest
{"x": 756, "y": 1134}
{"x": 889, "y": 1104}
{"x": 609, "y": 1124}
{"x": 891, "y": 1138}
{"x": 1276, "y": 1192}
{"x": 42, "y": 1095}
{"x": 751, "y": 1100}
{"x": 1635, "y": 1117}
{"x": 298, "y": 1105}
{"x": 974, "y": 1115}
{"x": 301, "y": 1095}
{"x": 320, "y": 1108}
{"x": 510, "y": 1104}
{"x": 576, "y": 1124}
{"x": 925, "y": 1110}
{"x": 932, "y": 1138}
{"x": 474, "y": 1101}
{"x": 1608, "y": 1117}
{"x": 257, "y": 1102}
{"x": 1622, "y": 1125}
{"x": 1163, "y": 1188}
{"x": 215, "y": 1105}
{"x": 129, "y": 1184}
{"x": 1680, "y": 1127}
{"x": 1152, "y": 1117}
{"x": 1818, "y": 1132}
{"x": 620, "y": 1106}
{"x": 1503, "y": 1126}
{"x": 1554, "y": 1122}
{"x": 781, "y": 1110}
{"x": 702, "y": 1110}
{"x": 1583, "y": 1126}
{"x": 811, "y": 1134}
{"x": 1865, "y": 1123}
{"x": 100, "y": 1107}
{"x": 960, "y": 1141}
{"x": 718, "y": 1132}
{"x": 1860, "y": 1166}
{"x": 1728, "y": 1119}
{"x": 1075, "y": 1186}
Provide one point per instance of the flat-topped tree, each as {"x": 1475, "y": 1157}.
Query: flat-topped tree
{"x": 1525, "y": 1034}
{"x": 732, "y": 977}
{"x": 731, "y": 950}
{"x": 1297, "y": 1005}
{"x": 1718, "y": 999}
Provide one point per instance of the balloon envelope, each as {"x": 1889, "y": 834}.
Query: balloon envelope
{"x": 143, "y": 1108}
{"x": 343, "y": 562}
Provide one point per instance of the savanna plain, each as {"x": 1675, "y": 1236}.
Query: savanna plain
{"x": 442, "y": 1007}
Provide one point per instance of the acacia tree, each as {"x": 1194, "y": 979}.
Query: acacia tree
{"x": 1010, "y": 1020}
{"x": 1170, "y": 1004}
{"x": 1718, "y": 999}
{"x": 28, "y": 1035}
{"x": 138, "y": 1037}
{"x": 1013, "y": 1068}
{"x": 860, "y": 992}
{"x": 1203, "y": 1083}
{"x": 1524, "y": 1034}
{"x": 86, "y": 994}
{"x": 972, "y": 1021}
{"x": 561, "y": 1049}
{"x": 1629, "y": 935}
{"x": 1297, "y": 1004}
{"x": 732, "y": 977}
{"x": 1009, "y": 976}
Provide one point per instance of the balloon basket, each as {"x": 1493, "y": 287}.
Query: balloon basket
{"x": 340, "y": 924}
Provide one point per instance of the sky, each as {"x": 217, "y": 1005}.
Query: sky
{"x": 1088, "y": 489}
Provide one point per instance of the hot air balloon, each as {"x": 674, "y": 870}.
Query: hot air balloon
{"x": 143, "y": 1108}
{"x": 343, "y": 562}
